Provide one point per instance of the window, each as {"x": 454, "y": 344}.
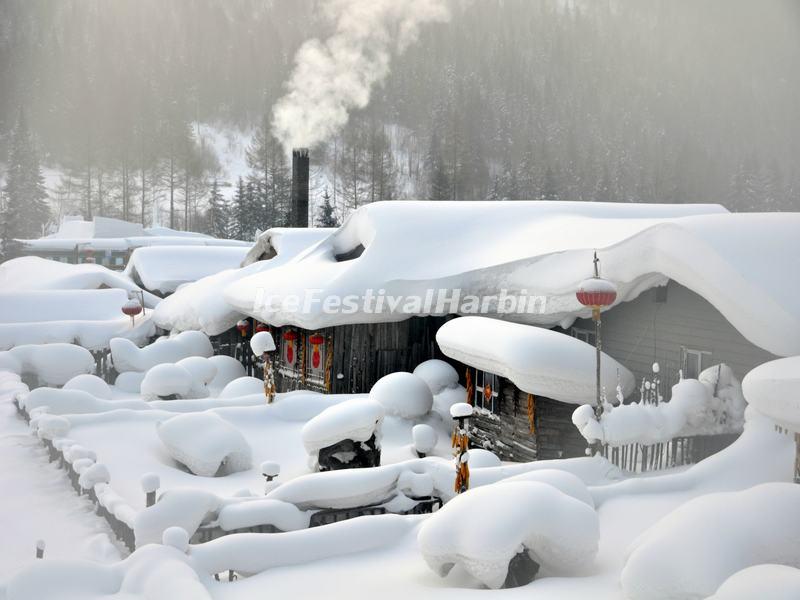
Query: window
{"x": 585, "y": 335}
{"x": 694, "y": 361}
{"x": 487, "y": 391}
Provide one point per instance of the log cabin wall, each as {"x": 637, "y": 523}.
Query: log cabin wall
{"x": 506, "y": 429}
{"x": 363, "y": 353}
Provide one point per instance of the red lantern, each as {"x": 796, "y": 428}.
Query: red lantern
{"x": 316, "y": 341}
{"x": 132, "y": 308}
{"x": 261, "y": 327}
{"x": 596, "y": 293}
{"x": 89, "y": 258}
{"x": 290, "y": 337}
{"x": 243, "y": 326}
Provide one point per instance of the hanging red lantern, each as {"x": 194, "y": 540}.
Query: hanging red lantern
{"x": 132, "y": 308}
{"x": 261, "y": 327}
{"x": 290, "y": 337}
{"x": 243, "y": 326}
{"x": 316, "y": 341}
{"x": 596, "y": 292}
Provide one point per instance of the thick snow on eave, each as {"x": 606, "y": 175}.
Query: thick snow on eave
{"x": 744, "y": 264}
{"x": 200, "y": 305}
{"x": 30, "y": 273}
{"x": 537, "y": 360}
{"x": 164, "y": 268}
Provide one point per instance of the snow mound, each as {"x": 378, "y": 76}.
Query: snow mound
{"x": 202, "y": 371}
{"x": 774, "y": 389}
{"x": 424, "y": 437}
{"x": 538, "y": 361}
{"x": 128, "y": 357}
{"x": 768, "y": 582}
{"x": 177, "y": 538}
{"x": 130, "y": 382}
{"x": 564, "y": 481}
{"x": 154, "y": 573}
{"x": 356, "y": 420}
{"x": 228, "y": 369}
{"x": 444, "y": 400}
{"x": 73, "y": 402}
{"x": 403, "y": 395}
{"x": 50, "y": 427}
{"x": 91, "y": 384}
{"x": 166, "y": 380}
{"x": 694, "y": 549}
{"x": 92, "y": 475}
{"x": 243, "y": 386}
{"x": 262, "y": 342}
{"x": 51, "y": 364}
{"x": 692, "y": 410}
{"x": 205, "y": 443}
{"x": 264, "y": 511}
{"x": 480, "y": 458}
{"x": 438, "y": 374}
{"x": 558, "y": 532}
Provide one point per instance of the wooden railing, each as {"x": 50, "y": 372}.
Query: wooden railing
{"x": 677, "y": 452}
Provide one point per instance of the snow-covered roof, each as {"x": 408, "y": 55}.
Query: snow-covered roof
{"x": 537, "y": 360}
{"x": 43, "y": 301}
{"x": 103, "y": 233}
{"x": 774, "y": 389}
{"x": 745, "y": 264}
{"x": 201, "y": 306}
{"x": 164, "y": 268}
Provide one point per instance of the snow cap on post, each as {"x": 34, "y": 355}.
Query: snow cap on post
{"x": 262, "y": 342}
{"x": 461, "y": 410}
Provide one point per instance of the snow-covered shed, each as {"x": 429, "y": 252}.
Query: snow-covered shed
{"x": 109, "y": 241}
{"x": 525, "y": 383}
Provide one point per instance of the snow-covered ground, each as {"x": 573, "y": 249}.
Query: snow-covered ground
{"x": 595, "y": 533}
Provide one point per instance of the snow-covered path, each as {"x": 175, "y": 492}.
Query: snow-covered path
{"x": 37, "y": 501}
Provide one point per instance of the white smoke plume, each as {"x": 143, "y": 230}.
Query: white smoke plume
{"x": 334, "y": 76}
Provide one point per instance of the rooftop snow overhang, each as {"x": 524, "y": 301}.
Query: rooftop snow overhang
{"x": 537, "y": 360}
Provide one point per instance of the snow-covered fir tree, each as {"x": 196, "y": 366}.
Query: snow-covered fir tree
{"x": 218, "y": 213}
{"x": 326, "y": 217}
{"x": 25, "y": 209}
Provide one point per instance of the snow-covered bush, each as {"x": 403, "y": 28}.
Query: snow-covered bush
{"x": 91, "y": 384}
{"x": 483, "y": 529}
{"x": 695, "y": 548}
{"x": 438, "y": 375}
{"x": 403, "y": 395}
{"x": 51, "y": 364}
{"x": 166, "y": 380}
{"x": 126, "y": 356}
{"x": 768, "y": 582}
{"x": 205, "y": 443}
{"x": 424, "y": 437}
{"x": 243, "y": 386}
{"x": 228, "y": 369}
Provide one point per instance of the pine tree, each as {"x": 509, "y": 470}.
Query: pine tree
{"x": 439, "y": 182}
{"x": 238, "y": 224}
{"x": 218, "y": 222}
{"x": 26, "y": 210}
{"x": 325, "y": 214}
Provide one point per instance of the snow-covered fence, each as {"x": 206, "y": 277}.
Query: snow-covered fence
{"x": 677, "y": 452}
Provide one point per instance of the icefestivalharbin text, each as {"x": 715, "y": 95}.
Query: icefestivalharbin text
{"x": 433, "y": 301}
